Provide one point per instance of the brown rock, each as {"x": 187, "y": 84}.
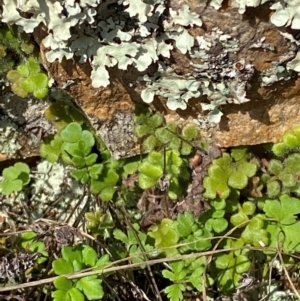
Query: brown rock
{"x": 272, "y": 110}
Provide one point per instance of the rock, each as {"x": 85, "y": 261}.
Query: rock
{"x": 274, "y": 98}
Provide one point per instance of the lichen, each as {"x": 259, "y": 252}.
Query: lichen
{"x": 8, "y": 133}
{"x": 53, "y": 191}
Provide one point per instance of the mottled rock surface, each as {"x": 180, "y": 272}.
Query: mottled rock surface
{"x": 271, "y": 111}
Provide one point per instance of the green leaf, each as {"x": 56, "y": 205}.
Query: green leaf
{"x": 243, "y": 264}
{"x": 62, "y": 266}
{"x": 71, "y": 133}
{"x": 185, "y": 224}
{"x": 102, "y": 261}
{"x": 283, "y": 210}
{"x": 292, "y": 163}
{"x": 273, "y": 189}
{"x": 165, "y": 235}
{"x": 40, "y": 92}
{"x": 279, "y": 149}
{"x": 169, "y": 275}
{"x": 151, "y": 171}
{"x": 174, "y": 292}
{"x": 78, "y": 161}
{"x": 190, "y": 132}
{"x": 95, "y": 170}
{"x": 186, "y": 148}
{"x": 150, "y": 143}
{"x": 288, "y": 179}
{"x": 91, "y": 287}
{"x": 119, "y": 235}
{"x": 88, "y": 139}
{"x": 72, "y": 253}
{"x": 33, "y": 65}
{"x": 237, "y": 180}
{"x": 146, "y": 182}
{"x": 23, "y": 70}
{"x": 249, "y": 208}
{"x": 239, "y": 153}
{"x": 62, "y": 283}
{"x": 12, "y": 186}
{"x": 164, "y": 135}
{"x": 238, "y": 218}
{"x": 290, "y": 140}
{"x": 91, "y": 159}
{"x": 51, "y": 151}
{"x": 78, "y": 174}
{"x": 10, "y": 173}
{"x": 75, "y": 295}
{"x": 275, "y": 167}
{"x": 89, "y": 256}
{"x": 219, "y": 225}
{"x": 107, "y": 193}
{"x": 60, "y": 295}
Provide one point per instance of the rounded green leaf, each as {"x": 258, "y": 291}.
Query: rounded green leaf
{"x": 33, "y": 65}
{"x": 28, "y": 85}
{"x": 142, "y": 130}
{"x": 185, "y": 224}
{"x": 78, "y": 174}
{"x": 60, "y": 295}
{"x": 62, "y": 267}
{"x": 290, "y": 140}
{"x": 150, "y": 143}
{"x": 238, "y": 218}
{"x": 256, "y": 223}
{"x": 186, "y": 148}
{"x": 275, "y": 167}
{"x": 292, "y": 163}
{"x": 237, "y": 180}
{"x": 215, "y": 186}
{"x": 163, "y": 135}
{"x": 287, "y": 179}
{"x": 62, "y": 283}
{"x": 279, "y": 149}
{"x": 151, "y": 171}
{"x": 219, "y": 225}
{"x": 146, "y": 182}
{"x": 71, "y": 133}
{"x": 88, "y": 139}
{"x": 239, "y": 153}
{"x": 247, "y": 168}
{"x": 249, "y": 208}
{"x": 23, "y": 70}
{"x": 91, "y": 287}
{"x": 10, "y": 173}
{"x": 243, "y": 264}
{"x": 190, "y": 132}
{"x": 76, "y": 295}
{"x": 155, "y": 121}
{"x": 40, "y": 93}
{"x": 11, "y": 186}
{"x": 273, "y": 189}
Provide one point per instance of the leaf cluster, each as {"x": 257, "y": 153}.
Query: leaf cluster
{"x": 282, "y": 176}
{"x": 28, "y": 78}
{"x": 231, "y": 171}
{"x": 75, "y": 146}
{"x": 15, "y": 178}
{"x": 75, "y": 259}
{"x": 155, "y": 134}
